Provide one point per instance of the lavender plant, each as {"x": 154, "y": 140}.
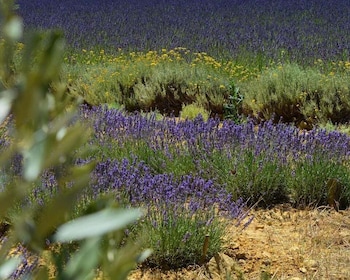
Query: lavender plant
{"x": 261, "y": 163}
{"x": 251, "y": 161}
{"x": 180, "y": 212}
{"x": 325, "y": 156}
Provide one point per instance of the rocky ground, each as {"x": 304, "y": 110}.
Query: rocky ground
{"x": 281, "y": 243}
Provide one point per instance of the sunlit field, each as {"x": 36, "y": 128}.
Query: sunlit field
{"x": 204, "y": 114}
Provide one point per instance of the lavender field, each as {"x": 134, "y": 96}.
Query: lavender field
{"x": 263, "y": 164}
{"x": 194, "y": 112}
{"x": 195, "y": 177}
{"x": 301, "y": 31}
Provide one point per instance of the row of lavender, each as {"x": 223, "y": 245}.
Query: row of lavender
{"x": 180, "y": 211}
{"x": 275, "y": 163}
{"x": 302, "y": 30}
{"x": 185, "y": 173}
{"x": 160, "y": 159}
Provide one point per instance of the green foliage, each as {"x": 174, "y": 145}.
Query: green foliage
{"x": 307, "y": 181}
{"x": 331, "y": 101}
{"x": 329, "y": 126}
{"x": 168, "y": 80}
{"x": 249, "y": 177}
{"x": 298, "y": 95}
{"x": 233, "y": 109}
{"x": 46, "y": 135}
{"x": 96, "y": 224}
{"x": 147, "y": 81}
{"x": 193, "y": 111}
{"x": 178, "y": 238}
{"x": 174, "y": 162}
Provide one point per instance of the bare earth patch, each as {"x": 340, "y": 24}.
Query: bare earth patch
{"x": 281, "y": 243}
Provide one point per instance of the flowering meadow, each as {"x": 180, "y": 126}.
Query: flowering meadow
{"x": 191, "y": 176}
{"x": 290, "y": 59}
{"x": 194, "y": 112}
{"x": 296, "y": 30}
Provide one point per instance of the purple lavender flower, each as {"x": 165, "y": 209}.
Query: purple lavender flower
{"x": 28, "y": 264}
{"x": 300, "y": 30}
{"x": 186, "y": 237}
{"x": 259, "y": 153}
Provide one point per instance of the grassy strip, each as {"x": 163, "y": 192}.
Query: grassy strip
{"x": 170, "y": 80}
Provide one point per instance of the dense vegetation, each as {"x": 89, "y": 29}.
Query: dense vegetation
{"x": 191, "y": 52}
{"x": 252, "y": 84}
{"x": 300, "y": 31}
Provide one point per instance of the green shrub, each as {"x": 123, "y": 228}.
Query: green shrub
{"x": 331, "y": 101}
{"x": 154, "y": 80}
{"x": 249, "y": 177}
{"x": 233, "y": 109}
{"x": 298, "y": 95}
{"x": 178, "y": 239}
{"x": 329, "y": 126}
{"x": 307, "y": 181}
{"x": 192, "y": 111}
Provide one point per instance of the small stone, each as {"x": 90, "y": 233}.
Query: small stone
{"x": 303, "y": 269}
{"x": 311, "y": 264}
{"x": 286, "y": 215}
{"x": 226, "y": 260}
{"x": 234, "y": 246}
{"x": 344, "y": 233}
{"x": 241, "y": 256}
{"x": 294, "y": 249}
{"x": 279, "y": 217}
{"x": 220, "y": 265}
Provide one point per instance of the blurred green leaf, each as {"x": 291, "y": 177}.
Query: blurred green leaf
{"x": 51, "y": 59}
{"x": 83, "y": 263}
{"x": 96, "y": 224}
{"x": 33, "y": 158}
{"x": 63, "y": 142}
{"x": 79, "y": 175}
{"x": 6, "y": 99}
{"x": 57, "y": 210}
{"x": 40, "y": 66}
{"x": 13, "y": 29}
{"x": 123, "y": 261}
{"x": 42, "y": 273}
{"x": 144, "y": 255}
{"x": 12, "y": 194}
{"x": 7, "y": 199}
{"x": 8, "y": 267}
